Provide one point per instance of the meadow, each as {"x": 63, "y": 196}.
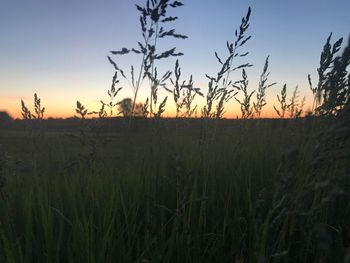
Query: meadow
{"x": 174, "y": 190}
{"x": 99, "y": 187}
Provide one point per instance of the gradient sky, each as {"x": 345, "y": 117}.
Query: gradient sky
{"x": 58, "y": 48}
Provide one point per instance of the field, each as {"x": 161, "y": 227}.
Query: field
{"x": 174, "y": 190}
{"x": 120, "y": 182}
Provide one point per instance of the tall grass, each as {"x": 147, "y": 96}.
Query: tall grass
{"x": 250, "y": 196}
{"x": 165, "y": 190}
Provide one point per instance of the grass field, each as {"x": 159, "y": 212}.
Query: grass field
{"x": 142, "y": 188}
{"x": 173, "y": 191}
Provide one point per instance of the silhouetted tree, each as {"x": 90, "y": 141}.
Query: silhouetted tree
{"x": 139, "y": 110}
{"x": 125, "y": 108}
{"x": 4, "y": 117}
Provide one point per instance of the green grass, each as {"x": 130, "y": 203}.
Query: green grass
{"x": 174, "y": 191}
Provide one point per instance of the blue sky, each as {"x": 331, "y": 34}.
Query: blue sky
{"x": 58, "y": 48}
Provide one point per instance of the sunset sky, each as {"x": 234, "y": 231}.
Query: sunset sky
{"x": 58, "y": 48}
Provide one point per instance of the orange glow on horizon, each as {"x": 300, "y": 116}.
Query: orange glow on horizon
{"x": 68, "y": 113}
{"x": 66, "y": 108}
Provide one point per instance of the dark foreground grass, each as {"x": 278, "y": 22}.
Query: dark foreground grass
{"x": 173, "y": 191}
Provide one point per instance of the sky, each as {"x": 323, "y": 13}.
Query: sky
{"x": 58, "y": 48}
